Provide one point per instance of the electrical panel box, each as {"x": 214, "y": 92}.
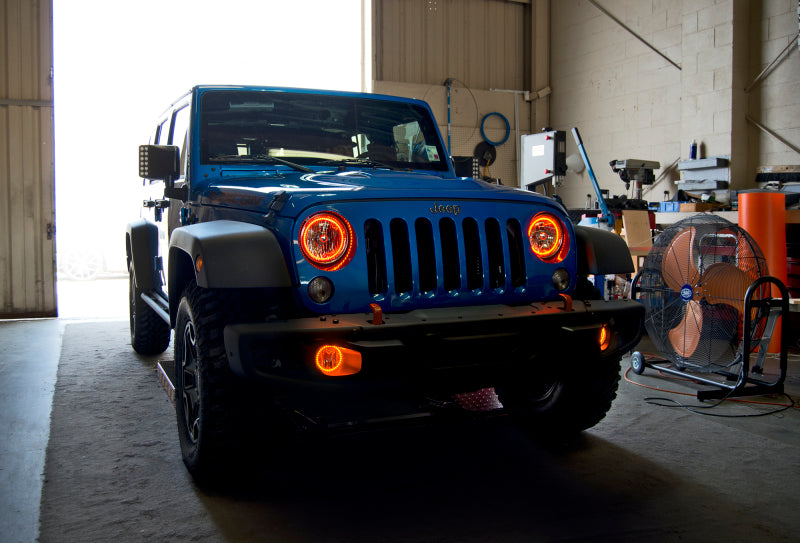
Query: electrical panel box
{"x": 544, "y": 156}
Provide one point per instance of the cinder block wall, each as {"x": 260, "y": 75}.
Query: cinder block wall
{"x": 775, "y": 103}
{"x": 629, "y": 102}
{"x": 624, "y": 98}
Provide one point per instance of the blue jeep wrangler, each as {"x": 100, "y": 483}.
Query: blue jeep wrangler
{"x": 323, "y": 267}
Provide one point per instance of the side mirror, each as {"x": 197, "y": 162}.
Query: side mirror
{"x": 162, "y": 162}
{"x": 159, "y": 162}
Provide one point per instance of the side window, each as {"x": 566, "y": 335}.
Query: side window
{"x": 180, "y": 126}
{"x": 162, "y": 130}
{"x": 159, "y": 137}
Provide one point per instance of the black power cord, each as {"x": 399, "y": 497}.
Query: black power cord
{"x": 695, "y": 409}
{"x": 699, "y": 409}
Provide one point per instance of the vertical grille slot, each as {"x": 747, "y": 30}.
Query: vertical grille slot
{"x": 515, "y": 253}
{"x": 451, "y": 267}
{"x": 494, "y": 250}
{"x": 401, "y": 255}
{"x": 376, "y": 257}
{"x": 472, "y": 252}
{"x": 426, "y": 254}
{"x": 420, "y": 256}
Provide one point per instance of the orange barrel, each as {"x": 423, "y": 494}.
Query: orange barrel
{"x": 763, "y": 215}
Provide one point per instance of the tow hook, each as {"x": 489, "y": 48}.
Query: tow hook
{"x": 377, "y": 314}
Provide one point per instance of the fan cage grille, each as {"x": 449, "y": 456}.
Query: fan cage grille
{"x": 693, "y": 284}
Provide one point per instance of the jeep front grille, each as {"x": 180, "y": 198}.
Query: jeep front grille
{"x": 435, "y": 257}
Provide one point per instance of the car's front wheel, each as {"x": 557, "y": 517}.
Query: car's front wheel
{"x": 204, "y": 386}
{"x": 223, "y": 421}
{"x": 563, "y": 400}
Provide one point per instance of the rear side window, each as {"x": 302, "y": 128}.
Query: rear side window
{"x": 159, "y": 137}
{"x": 180, "y": 126}
{"x": 162, "y": 131}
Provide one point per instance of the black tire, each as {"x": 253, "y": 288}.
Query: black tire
{"x": 222, "y": 420}
{"x": 565, "y": 401}
{"x": 149, "y": 332}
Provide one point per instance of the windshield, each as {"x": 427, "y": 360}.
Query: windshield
{"x": 311, "y": 129}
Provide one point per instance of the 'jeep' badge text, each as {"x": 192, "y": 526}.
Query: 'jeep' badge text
{"x": 441, "y": 208}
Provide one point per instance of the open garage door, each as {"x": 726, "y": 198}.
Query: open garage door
{"x": 27, "y": 215}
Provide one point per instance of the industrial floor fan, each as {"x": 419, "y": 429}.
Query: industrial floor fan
{"x": 709, "y": 307}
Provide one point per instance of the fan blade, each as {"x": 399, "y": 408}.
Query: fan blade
{"x": 686, "y": 336}
{"x": 724, "y": 283}
{"x": 677, "y": 267}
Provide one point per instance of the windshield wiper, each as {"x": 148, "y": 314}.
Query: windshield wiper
{"x": 367, "y": 162}
{"x": 260, "y": 158}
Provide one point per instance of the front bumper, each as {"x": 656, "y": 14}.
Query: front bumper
{"x": 465, "y": 347}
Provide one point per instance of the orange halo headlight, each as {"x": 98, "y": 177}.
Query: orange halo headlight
{"x": 548, "y": 237}
{"x": 327, "y": 241}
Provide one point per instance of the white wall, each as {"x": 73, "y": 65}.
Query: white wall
{"x": 775, "y": 103}
{"x": 624, "y": 98}
{"x": 629, "y": 102}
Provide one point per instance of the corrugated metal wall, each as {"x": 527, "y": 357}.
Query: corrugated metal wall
{"x": 480, "y": 42}
{"x": 27, "y": 215}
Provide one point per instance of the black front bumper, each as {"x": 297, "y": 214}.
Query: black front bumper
{"x": 469, "y": 344}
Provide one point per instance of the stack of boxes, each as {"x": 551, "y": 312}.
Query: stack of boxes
{"x": 707, "y": 177}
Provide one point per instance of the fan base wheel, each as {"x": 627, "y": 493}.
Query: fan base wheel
{"x": 637, "y": 363}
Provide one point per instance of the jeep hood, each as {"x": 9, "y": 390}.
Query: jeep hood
{"x": 254, "y": 191}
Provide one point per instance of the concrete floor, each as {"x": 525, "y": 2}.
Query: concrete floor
{"x": 28, "y": 365}
{"x": 29, "y": 362}
{"x": 29, "y": 353}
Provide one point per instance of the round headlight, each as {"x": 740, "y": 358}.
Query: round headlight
{"x": 546, "y": 235}
{"x": 327, "y": 241}
{"x": 561, "y": 279}
{"x": 549, "y": 237}
{"x": 320, "y": 289}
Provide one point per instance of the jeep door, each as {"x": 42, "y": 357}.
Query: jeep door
{"x": 164, "y": 213}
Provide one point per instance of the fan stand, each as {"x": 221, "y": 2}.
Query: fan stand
{"x": 748, "y": 380}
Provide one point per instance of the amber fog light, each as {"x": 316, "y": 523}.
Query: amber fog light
{"x": 334, "y": 360}
{"x": 320, "y": 289}
{"x": 561, "y": 279}
{"x": 604, "y": 337}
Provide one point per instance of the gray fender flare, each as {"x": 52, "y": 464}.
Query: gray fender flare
{"x": 227, "y": 254}
{"x": 601, "y": 252}
{"x": 142, "y": 247}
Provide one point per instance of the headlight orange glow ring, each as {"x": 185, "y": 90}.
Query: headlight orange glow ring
{"x": 327, "y": 241}
{"x": 546, "y": 234}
